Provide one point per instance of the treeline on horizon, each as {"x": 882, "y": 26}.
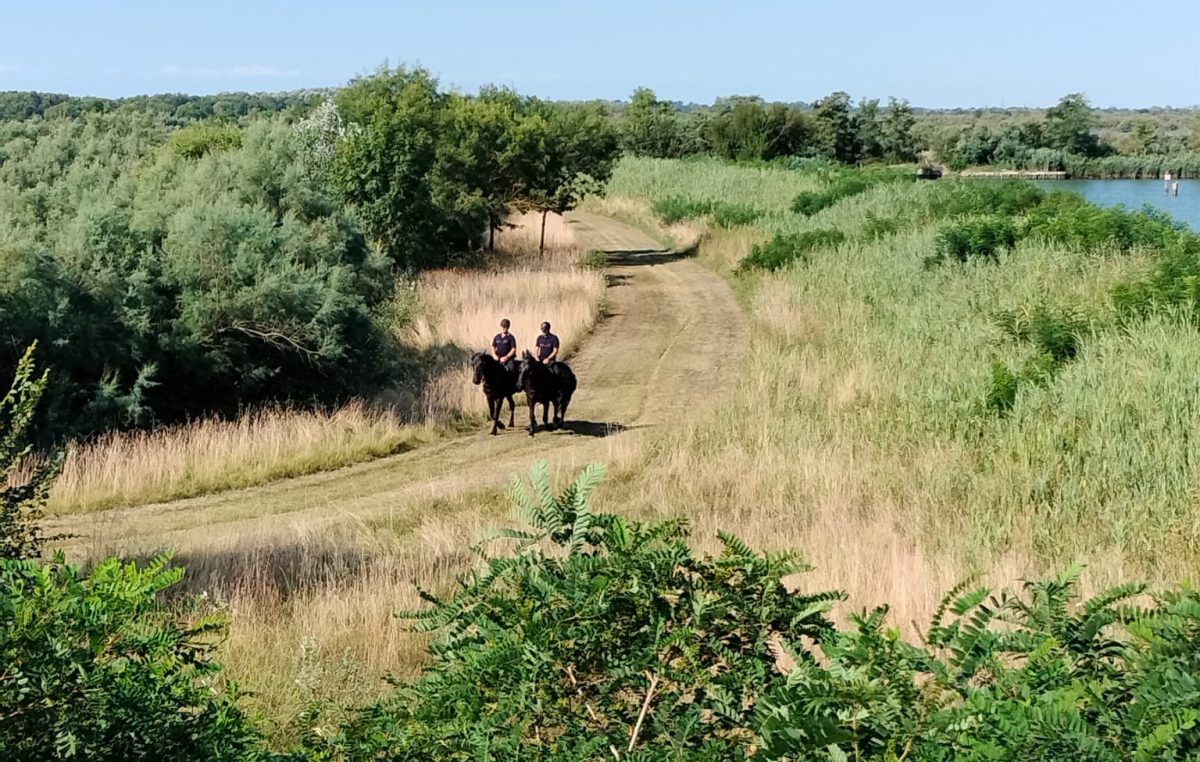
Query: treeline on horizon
{"x": 1071, "y": 136}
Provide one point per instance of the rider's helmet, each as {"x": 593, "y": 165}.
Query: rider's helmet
{"x": 504, "y": 323}
{"x": 545, "y": 326}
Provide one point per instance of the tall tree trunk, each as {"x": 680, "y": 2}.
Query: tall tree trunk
{"x": 491, "y": 236}
{"x": 542, "y": 242}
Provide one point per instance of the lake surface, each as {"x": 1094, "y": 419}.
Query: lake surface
{"x": 1136, "y": 193}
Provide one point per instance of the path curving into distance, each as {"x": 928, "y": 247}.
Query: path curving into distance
{"x": 663, "y": 351}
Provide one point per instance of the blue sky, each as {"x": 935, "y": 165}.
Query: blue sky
{"x": 933, "y": 52}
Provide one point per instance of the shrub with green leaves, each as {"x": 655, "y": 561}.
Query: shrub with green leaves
{"x": 22, "y": 495}
{"x": 725, "y": 215}
{"x": 983, "y": 237}
{"x": 196, "y": 140}
{"x": 966, "y": 198}
{"x": 783, "y": 250}
{"x": 1037, "y": 676}
{"x": 94, "y": 667}
{"x": 878, "y": 227}
{"x": 1068, "y": 219}
{"x": 596, "y": 636}
{"x": 1055, "y": 331}
{"x": 809, "y": 203}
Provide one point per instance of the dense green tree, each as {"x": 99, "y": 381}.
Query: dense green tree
{"x": 897, "y": 132}
{"x": 836, "y": 131}
{"x": 869, "y": 130}
{"x": 475, "y": 176}
{"x": 738, "y": 129}
{"x": 747, "y": 129}
{"x": 561, "y": 153}
{"x": 1145, "y": 139}
{"x": 650, "y": 127}
{"x": 383, "y": 169}
{"x": 1070, "y": 126}
{"x": 160, "y": 286}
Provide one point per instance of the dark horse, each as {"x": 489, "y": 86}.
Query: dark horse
{"x": 548, "y": 385}
{"x": 498, "y": 384}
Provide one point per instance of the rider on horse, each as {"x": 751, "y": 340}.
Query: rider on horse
{"x": 547, "y": 345}
{"x": 504, "y": 347}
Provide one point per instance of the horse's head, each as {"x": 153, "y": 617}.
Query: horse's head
{"x": 478, "y": 361}
{"x": 526, "y": 363}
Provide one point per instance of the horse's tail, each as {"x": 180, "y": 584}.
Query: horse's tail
{"x": 566, "y": 379}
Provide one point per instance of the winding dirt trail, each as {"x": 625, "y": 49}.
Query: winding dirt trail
{"x": 658, "y": 355}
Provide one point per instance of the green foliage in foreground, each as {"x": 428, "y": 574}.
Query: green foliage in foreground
{"x": 601, "y": 636}
{"x": 598, "y": 636}
{"x": 94, "y": 667}
{"x": 597, "y": 633}
{"x": 1038, "y": 676}
{"x": 22, "y": 496}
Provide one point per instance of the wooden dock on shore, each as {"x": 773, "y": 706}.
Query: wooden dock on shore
{"x": 1016, "y": 174}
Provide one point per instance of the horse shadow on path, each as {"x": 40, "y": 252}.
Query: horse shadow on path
{"x": 593, "y": 428}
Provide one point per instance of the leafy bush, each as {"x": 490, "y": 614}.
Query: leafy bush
{"x": 982, "y": 237}
{"x": 877, "y": 228}
{"x": 842, "y": 184}
{"x": 1033, "y": 676}
{"x": 725, "y": 215}
{"x": 1005, "y": 198}
{"x": 1005, "y": 383}
{"x": 786, "y": 249}
{"x": 596, "y": 634}
{"x": 1067, "y": 219}
{"x": 195, "y": 140}
{"x": 1174, "y": 281}
{"x": 1057, "y": 332}
{"x": 22, "y": 495}
{"x": 809, "y": 203}
{"x": 96, "y": 668}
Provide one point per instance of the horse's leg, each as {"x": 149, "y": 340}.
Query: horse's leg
{"x": 512, "y": 411}
{"x": 493, "y": 405}
{"x": 532, "y": 418}
{"x": 499, "y": 408}
{"x": 545, "y": 412}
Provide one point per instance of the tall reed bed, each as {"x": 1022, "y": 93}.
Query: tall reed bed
{"x": 858, "y": 430}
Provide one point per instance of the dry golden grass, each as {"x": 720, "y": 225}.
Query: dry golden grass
{"x": 213, "y": 455}
{"x": 313, "y": 606}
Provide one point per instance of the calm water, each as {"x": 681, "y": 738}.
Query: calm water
{"x": 1136, "y": 193}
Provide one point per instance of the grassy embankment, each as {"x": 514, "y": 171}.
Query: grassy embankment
{"x": 459, "y": 309}
{"x": 858, "y": 430}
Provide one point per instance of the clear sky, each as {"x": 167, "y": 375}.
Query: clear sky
{"x": 936, "y": 53}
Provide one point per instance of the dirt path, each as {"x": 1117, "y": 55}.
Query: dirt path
{"x": 658, "y": 355}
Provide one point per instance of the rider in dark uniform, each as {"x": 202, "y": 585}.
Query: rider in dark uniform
{"x": 547, "y": 345}
{"x": 504, "y": 346}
